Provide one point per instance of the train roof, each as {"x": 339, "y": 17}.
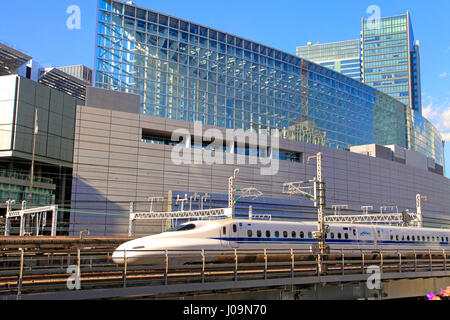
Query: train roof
{"x": 279, "y": 222}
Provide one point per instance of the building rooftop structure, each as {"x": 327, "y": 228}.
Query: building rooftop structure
{"x": 11, "y": 60}
{"x": 59, "y": 79}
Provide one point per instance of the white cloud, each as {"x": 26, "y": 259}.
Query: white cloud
{"x": 445, "y": 119}
{"x": 446, "y": 136}
{"x": 443, "y": 75}
{"x": 428, "y": 112}
{"x": 438, "y": 112}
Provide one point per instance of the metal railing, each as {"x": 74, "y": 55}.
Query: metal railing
{"x": 23, "y": 272}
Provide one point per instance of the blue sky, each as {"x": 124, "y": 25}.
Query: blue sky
{"x": 38, "y": 28}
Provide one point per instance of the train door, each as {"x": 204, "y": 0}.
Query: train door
{"x": 234, "y": 234}
{"x": 355, "y": 237}
{"x": 224, "y": 236}
{"x": 375, "y": 238}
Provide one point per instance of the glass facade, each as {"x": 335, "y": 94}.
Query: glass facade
{"x": 185, "y": 71}
{"x": 426, "y": 139}
{"x": 343, "y": 57}
{"x": 390, "y": 59}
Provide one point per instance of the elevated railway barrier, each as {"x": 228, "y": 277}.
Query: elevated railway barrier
{"x": 91, "y": 274}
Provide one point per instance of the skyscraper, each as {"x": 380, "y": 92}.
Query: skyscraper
{"x": 343, "y": 56}
{"x": 390, "y": 58}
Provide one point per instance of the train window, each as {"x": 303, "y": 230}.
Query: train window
{"x": 392, "y": 237}
{"x": 413, "y": 238}
{"x": 224, "y": 230}
{"x": 310, "y": 235}
{"x": 285, "y": 234}
{"x": 294, "y": 234}
{"x": 346, "y": 236}
{"x": 446, "y": 239}
{"x": 258, "y": 233}
{"x": 302, "y": 234}
{"x": 379, "y": 233}
{"x": 339, "y": 235}
{"x": 234, "y": 228}
{"x": 403, "y": 238}
{"x": 332, "y": 235}
{"x": 249, "y": 233}
{"x": 396, "y": 237}
{"x": 423, "y": 238}
{"x": 268, "y": 234}
{"x": 428, "y": 238}
{"x": 182, "y": 227}
{"x": 277, "y": 234}
{"x": 354, "y": 232}
{"x": 432, "y": 239}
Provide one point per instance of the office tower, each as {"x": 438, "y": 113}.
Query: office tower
{"x": 343, "y": 56}
{"x": 390, "y": 58}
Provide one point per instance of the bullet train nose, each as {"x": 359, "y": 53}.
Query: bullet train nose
{"x": 130, "y": 249}
{"x": 119, "y": 255}
{"x": 135, "y": 252}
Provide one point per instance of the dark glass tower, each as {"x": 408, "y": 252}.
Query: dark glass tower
{"x": 390, "y": 58}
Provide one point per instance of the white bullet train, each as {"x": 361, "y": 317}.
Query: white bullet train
{"x": 259, "y": 235}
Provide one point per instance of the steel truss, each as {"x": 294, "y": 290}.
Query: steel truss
{"x": 40, "y": 213}
{"x": 195, "y": 214}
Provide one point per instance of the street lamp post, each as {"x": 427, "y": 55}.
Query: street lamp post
{"x": 35, "y": 131}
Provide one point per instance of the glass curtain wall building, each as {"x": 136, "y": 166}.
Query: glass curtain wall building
{"x": 390, "y": 58}
{"x": 343, "y": 56}
{"x": 186, "y": 71}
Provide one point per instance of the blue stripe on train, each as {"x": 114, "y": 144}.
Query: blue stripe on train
{"x": 339, "y": 241}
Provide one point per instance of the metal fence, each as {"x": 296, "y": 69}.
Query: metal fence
{"x": 27, "y": 272}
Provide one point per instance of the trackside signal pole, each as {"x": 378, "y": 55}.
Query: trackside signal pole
{"x": 231, "y": 192}
{"x": 318, "y": 197}
{"x": 320, "y": 201}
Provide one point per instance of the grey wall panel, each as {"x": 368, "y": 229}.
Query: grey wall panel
{"x": 137, "y": 170}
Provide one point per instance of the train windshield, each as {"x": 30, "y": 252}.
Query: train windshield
{"x": 183, "y": 227}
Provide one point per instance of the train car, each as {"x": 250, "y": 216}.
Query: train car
{"x": 276, "y": 235}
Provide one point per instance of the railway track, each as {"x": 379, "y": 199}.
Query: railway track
{"x": 48, "y": 270}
